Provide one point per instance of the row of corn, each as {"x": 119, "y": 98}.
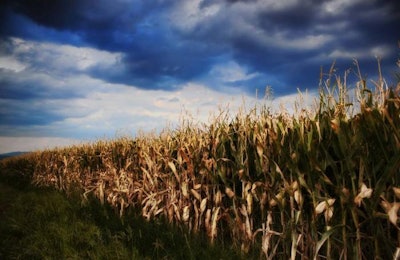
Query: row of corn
{"x": 317, "y": 184}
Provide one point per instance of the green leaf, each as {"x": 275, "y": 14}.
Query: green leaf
{"x": 323, "y": 239}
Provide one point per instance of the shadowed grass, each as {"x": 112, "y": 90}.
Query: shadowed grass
{"x": 41, "y": 223}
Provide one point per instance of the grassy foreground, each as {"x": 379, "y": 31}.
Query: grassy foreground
{"x": 43, "y": 223}
{"x": 322, "y": 183}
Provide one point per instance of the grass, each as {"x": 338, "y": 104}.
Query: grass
{"x": 43, "y": 223}
{"x": 321, "y": 183}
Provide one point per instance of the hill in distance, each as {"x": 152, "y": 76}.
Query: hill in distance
{"x": 11, "y": 154}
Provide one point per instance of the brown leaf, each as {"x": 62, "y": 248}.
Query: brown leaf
{"x": 229, "y": 192}
{"x": 392, "y": 213}
{"x": 185, "y": 215}
{"x": 364, "y": 193}
{"x": 185, "y": 190}
{"x": 214, "y": 221}
{"x": 320, "y": 207}
{"x": 396, "y": 192}
{"x": 196, "y": 194}
{"x": 249, "y": 199}
{"x": 203, "y": 205}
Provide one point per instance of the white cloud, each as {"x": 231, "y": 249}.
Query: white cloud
{"x": 60, "y": 58}
{"x": 230, "y": 72}
{"x": 10, "y": 63}
{"x": 188, "y": 14}
{"x": 382, "y": 51}
{"x": 338, "y": 6}
{"x": 307, "y": 42}
{"x": 128, "y": 108}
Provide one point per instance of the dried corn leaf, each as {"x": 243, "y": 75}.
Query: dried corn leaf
{"x": 185, "y": 215}
{"x": 196, "y": 194}
{"x": 229, "y": 192}
{"x": 203, "y": 205}
{"x": 364, "y": 193}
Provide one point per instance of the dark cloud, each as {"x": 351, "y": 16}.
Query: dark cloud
{"x": 296, "y": 18}
{"x": 154, "y": 56}
{"x": 288, "y": 40}
{"x": 32, "y": 113}
{"x": 26, "y": 88}
{"x": 96, "y": 23}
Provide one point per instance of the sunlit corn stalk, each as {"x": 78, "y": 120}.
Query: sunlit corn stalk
{"x": 267, "y": 234}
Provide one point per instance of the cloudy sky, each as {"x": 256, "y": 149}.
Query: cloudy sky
{"x": 73, "y": 71}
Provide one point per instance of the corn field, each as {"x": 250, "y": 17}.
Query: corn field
{"x": 316, "y": 184}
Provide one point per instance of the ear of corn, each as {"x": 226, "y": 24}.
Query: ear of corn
{"x": 260, "y": 180}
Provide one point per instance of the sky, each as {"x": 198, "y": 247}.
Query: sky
{"x": 79, "y": 71}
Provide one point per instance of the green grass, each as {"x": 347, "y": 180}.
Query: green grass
{"x": 42, "y": 223}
